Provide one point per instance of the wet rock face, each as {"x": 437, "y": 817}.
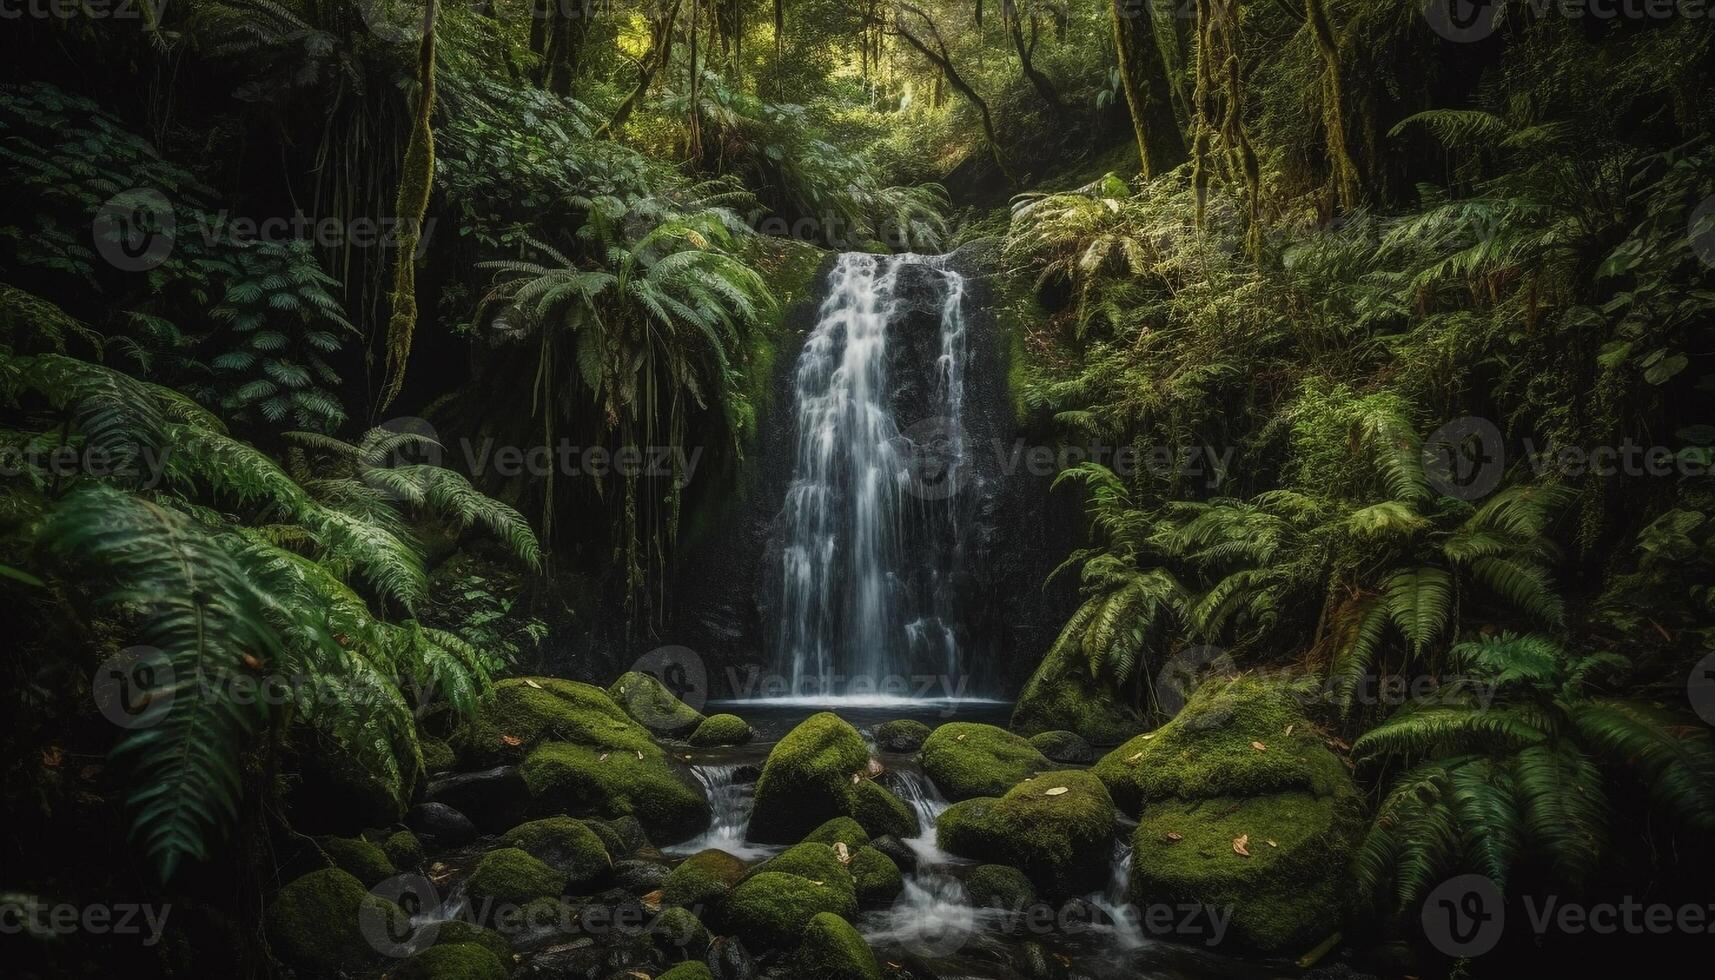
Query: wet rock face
{"x": 492, "y": 799}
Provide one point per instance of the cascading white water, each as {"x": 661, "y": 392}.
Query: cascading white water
{"x": 730, "y": 800}
{"x": 846, "y": 615}
{"x": 917, "y": 792}
{"x": 1126, "y": 931}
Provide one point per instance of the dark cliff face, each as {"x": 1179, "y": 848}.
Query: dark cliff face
{"x": 980, "y": 551}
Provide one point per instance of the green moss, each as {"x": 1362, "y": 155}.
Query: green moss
{"x": 807, "y": 779}
{"x": 1063, "y": 746}
{"x": 1283, "y": 897}
{"x": 651, "y": 705}
{"x": 832, "y": 950}
{"x": 622, "y": 836}
{"x": 722, "y": 730}
{"x": 453, "y": 961}
{"x": 1207, "y": 750}
{"x": 362, "y": 859}
{"x": 564, "y": 844}
{"x": 1000, "y": 886}
{"x": 678, "y": 931}
{"x": 456, "y": 931}
{"x": 1062, "y": 841}
{"x": 702, "y": 878}
{"x": 966, "y": 760}
{"x": 816, "y": 862}
{"x": 315, "y": 923}
{"x": 839, "y": 829}
{"x": 403, "y": 849}
{"x": 600, "y": 782}
{"x": 438, "y": 756}
{"x": 876, "y": 877}
{"x": 771, "y": 910}
{"x": 687, "y": 971}
{"x": 902, "y": 735}
{"x": 531, "y": 710}
{"x": 511, "y": 876}
{"x": 880, "y": 812}
{"x": 1062, "y": 695}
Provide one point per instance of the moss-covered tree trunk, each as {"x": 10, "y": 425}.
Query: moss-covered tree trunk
{"x": 416, "y": 179}
{"x": 1143, "y": 75}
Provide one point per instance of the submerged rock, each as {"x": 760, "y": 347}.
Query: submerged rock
{"x": 966, "y": 760}
{"x": 564, "y": 844}
{"x": 722, "y": 730}
{"x": 1057, "y": 828}
{"x": 832, "y": 950}
{"x": 901, "y": 735}
{"x": 594, "y": 781}
{"x": 1062, "y": 696}
{"x": 819, "y": 771}
{"x": 315, "y": 923}
{"x": 651, "y": 705}
{"x": 522, "y": 713}
{"x": 1064, "y": 747}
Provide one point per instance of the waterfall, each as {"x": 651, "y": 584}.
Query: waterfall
{"x": 917, "y": 792}
{"x": 863, "y": 601}
{"x": 730, "y": 799}
{"x": 1127, "y": 932}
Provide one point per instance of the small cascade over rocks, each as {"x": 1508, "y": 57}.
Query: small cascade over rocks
{"x": 730, "y": 799}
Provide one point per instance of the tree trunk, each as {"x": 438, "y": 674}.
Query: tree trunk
{"x": 416, "y": 180}
{"x": 660, "y": 50}
{"x": 1143, "y": 75}
{"x": 941, "y": 59}
{"x": 1347, "y": 183}
{"x": 1039, "y": 81}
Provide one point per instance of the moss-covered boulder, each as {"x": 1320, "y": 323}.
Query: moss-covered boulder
{"x": 1064, "y": 747}
{"x": 770, "y": 911}
{"x": 403, "y": 849}
{"x": 316, "y": 923}
{"x": 816, "y": 862}
{"x": 1062, "y": 696}
{"x": 702, "y": 878}
{"x": 832, "y": 950}
{"x": 1000, "y": 886}
{"x": 457, "y": 931}
{"x": 1287, "y": 894}
{"x": 1057, "y": 828}
{"x": 522, "y": 713}
{"x": 510, "y": 876}
{"x": 680, "y": 934}
{"x": 877, "y": 879}
{"x": 967, "y": 760}
{"x": 651, "y": 705}
{"x": 1211, "y": 748}
{"x": 622, "y": 836}
{"x": 722, "y": 730}
{"x": 452, "y": 961}
{"x": 839, "y": 830}
{"x": 564, "y": 844}
{"x": 819, "y": 771}
{"x": 901, "y": 735}
{"x": 691, "y": 970}
{"x": 585, "y": 780}
{"x": 438, "y": 756}
{"x": 363, "y": 860}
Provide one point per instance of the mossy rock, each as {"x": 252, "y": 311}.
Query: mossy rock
{"x": 1000, "y": 886}
{"x": 622, "y": 836}
{"x": 404, "y": 850}
{"x": 679, "y": 931}
{"x": 592, "y": 781}
{"x": 315, "y": 923}
{"x": 816, "y": 862}
{"x": 901, "y": 735}
{"x": 651, "y": 705}
{"x": 722, "y": 730}
{"x": 807, "y": 780}
{"x": 1062, "y": 696}
{"x": 1062, "y": 841}
{"x": 438, "y": 756}
{"x": 564, "y": 844}
{"x": 1064, "y": 747}
{"x": 453, "y": 961}
{"x": 877, "y": 879}
{"x": 363, "y": 860}
{"x": 1285, "y": 896}
{"x": 832, "y": 950}
{"x": 687, "y": 971}
{"x": 1207, "y": 749}
{"x": 702, "y": 878}
{"x": 839, "y": 830}
{"x": 522, "y": 713}
{"x": 770, "y": 911}
{"x": 456, "y": 931}
{"x": 968, "y": 760}
{"x": 510, "y": 876}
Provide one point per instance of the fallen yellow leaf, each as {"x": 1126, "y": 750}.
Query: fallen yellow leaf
{"x": 1055, "y": 791}
{"x": 1173, "y": 837}
{"x": 511, "y": 740}
{"x": 1259, "y": 746}
{"x": 532, "y": 683}
{"x": 842, "y": 852}
{"x": 1239, "y": 843}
